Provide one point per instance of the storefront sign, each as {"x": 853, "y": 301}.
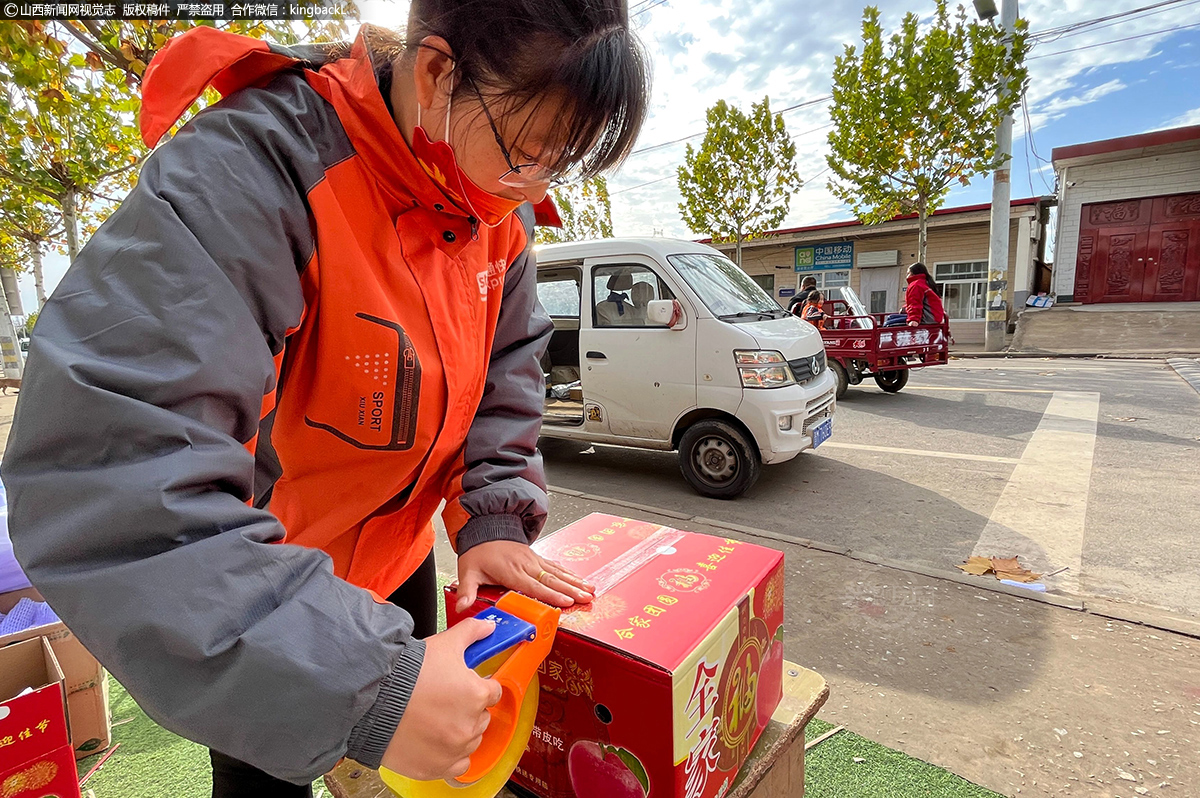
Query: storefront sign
{"x": 825, "y": 257}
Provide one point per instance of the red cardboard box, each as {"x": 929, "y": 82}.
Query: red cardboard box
{"x": 86, "y": 682}
{"x": 660, "y": 687}
{"x": 35, "y": 747}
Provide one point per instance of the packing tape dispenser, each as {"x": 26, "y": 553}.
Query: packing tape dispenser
{"x": 511, "y": 655}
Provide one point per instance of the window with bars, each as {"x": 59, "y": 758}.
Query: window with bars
{"x": 964, "y": 289}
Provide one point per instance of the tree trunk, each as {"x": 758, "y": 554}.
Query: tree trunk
{"x": 922, "y": 234}
{"x": 739, "y": 250}
{"x": 71, "y": 224}
{"x": 35, "y": 252}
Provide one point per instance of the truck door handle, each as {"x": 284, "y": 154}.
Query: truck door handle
{"x": 594, "y": 355}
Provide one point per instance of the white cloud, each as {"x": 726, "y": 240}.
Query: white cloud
{"x": 1187, "y": 119}
{"x": 1058, "y": 105}
{"x": 741, "y": 50}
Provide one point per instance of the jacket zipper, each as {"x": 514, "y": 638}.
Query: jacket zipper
{"x": 474, "y": 228}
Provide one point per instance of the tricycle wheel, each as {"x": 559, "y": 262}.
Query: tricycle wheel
{"x": 843, "y": 379}
{"x": 892, "y": 381}
{"x": 717, "y": 460}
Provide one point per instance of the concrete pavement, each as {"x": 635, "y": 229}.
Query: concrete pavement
{"x": 1080, "y": 463}
{"x": 1138, "y": 328}
{"x": 1018, "y": 696}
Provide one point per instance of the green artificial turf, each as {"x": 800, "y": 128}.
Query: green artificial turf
{"x": 831, "y": 772}
{"x": 152, "y": 762}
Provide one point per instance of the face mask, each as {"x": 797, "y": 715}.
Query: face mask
{"x": 438, "y": 161}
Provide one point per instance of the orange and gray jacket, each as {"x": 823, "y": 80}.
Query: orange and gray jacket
{"x": 287, "y": 334}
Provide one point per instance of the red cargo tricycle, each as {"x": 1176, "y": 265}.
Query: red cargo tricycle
{"x": 858, "y": 344}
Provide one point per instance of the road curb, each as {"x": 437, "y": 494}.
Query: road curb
{"x": 1140, "y": 615}
{"x": 1069, "y": 355}
{"x": 1188, "y": 369}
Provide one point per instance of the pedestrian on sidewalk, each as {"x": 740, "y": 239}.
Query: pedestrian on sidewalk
{"x": 314, "y": 320}
{"x": 922, "y": 300}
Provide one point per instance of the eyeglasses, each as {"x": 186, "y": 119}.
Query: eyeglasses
{"x": 518, "y": 175}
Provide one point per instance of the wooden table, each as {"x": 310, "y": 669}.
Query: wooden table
{"x": 775, "y": 768}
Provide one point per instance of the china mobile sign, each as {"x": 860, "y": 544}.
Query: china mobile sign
{"x": 825, "y": 257}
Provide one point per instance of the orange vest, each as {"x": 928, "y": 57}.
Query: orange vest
{"x": 383, "y": 375}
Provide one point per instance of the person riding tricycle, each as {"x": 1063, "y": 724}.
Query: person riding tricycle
{"x": 885, "y": 346}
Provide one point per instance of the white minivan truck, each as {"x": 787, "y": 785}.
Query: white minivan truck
{"x": 667, "y": 344}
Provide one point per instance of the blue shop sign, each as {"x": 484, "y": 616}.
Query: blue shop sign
{"x": 825, "y": 257}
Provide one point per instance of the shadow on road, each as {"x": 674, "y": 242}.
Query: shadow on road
{"x": 935, "y": 412}
{"x": 814, "y": 497}
{"x": 886, "y": 629}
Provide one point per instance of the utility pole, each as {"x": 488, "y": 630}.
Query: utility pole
{"x": 997, "y": 284}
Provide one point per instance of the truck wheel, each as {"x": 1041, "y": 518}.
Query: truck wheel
{"x": 843, "y": 379}
{"x": 717, "y": 460}
{"x": 892, "y": 381}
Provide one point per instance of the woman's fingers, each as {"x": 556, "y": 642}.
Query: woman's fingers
{"x": 564, "y": 582}
{"x": 568, "y": 576}
{"x": 542, "y": 589}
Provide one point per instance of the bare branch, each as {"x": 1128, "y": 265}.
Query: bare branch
{"x": 126, "y": 168}
{"x": 116, "y": 59}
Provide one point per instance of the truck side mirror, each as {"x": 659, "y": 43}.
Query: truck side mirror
{"x": 663, "y": 313}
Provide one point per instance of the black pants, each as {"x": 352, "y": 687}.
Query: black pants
{"x": 235, "y": 779}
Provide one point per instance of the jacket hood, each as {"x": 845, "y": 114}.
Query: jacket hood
{"x": 202, "y": 57}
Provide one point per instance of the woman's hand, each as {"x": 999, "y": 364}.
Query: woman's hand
{"x": 447, "y": 712}
{"x": 517, "y": 567}
{"x": 914, "y": 324}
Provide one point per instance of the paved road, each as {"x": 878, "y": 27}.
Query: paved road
{"x": 1092, "y": 465}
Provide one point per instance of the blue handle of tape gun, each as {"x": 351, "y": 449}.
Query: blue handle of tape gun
{"x": 510, "y": 631}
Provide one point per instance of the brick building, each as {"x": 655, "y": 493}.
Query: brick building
{"x": 872, "y": 259}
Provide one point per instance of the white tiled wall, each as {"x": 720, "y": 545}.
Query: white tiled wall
{"x": 1176, "y": 173}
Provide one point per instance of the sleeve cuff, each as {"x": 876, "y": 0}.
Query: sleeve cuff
{"x": 486, "y": 528}
{"x": 370, "y": 738}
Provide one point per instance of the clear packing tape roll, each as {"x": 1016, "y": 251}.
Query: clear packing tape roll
{"x": 511, "y": 655}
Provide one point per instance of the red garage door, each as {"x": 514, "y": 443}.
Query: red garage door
{"x": 1141, "y": 250}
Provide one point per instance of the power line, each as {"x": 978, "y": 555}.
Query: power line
{"x": 646, "y": 6}
{"x": 639, "y": 185}
{"x": 663, "y": 144}
{"x": 809, "y": 182}
{"x": 1088, "y": 26}
{"x": 1062, "y": 29}
{"x": 668, "y": 177}
{"x": 1114, "y": 41}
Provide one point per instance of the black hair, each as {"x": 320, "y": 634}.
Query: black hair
{"x": 815, "y": 296}
{"x": 807, "y": 281}
{"x": 522, "y": 50}
{"x": 919, "y": 268}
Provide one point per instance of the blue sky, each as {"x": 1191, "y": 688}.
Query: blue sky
{"x": 740, "y": 50}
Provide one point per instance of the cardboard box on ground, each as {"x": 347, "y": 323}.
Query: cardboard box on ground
{"x": 664, "y": 683}
{"x": 35, "y": 750}
{"x": 85, "y": 681}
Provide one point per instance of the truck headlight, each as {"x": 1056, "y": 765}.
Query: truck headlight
{"x": 763, "y": 369}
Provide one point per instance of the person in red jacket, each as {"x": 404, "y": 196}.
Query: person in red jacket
{"x": 312, "y": 322}
{"x": 922, "y": 302}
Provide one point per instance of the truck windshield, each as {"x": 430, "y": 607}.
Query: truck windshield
{"x": 727, "y": 291}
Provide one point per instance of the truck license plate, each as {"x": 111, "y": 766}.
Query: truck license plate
{"x": 822, "y": 431}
